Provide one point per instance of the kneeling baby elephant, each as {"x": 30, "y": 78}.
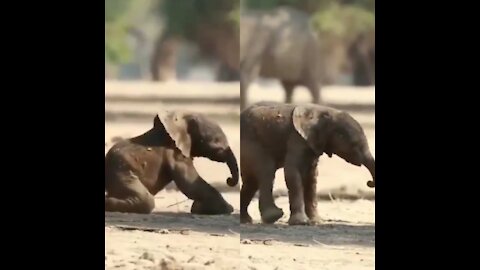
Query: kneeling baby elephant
{"x": 293, "y": 137}
{"x": 138, "y": 168}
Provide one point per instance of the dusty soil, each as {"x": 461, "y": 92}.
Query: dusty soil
{"x": 346, "y": 240}
{"x": 171, "y": 238}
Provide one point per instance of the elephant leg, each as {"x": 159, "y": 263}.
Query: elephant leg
{"x": 258, "y": 167}
{"x": 315, "y": 88}
{"x": 268, "y": 210}
{"x": 247, "y": 76}
{"x": 243, "y": 92}
{"x": 249, "y": 188}
{"x": 310, "y": 192}
{"x": 133, "y": 197}
{"x": 288, "y": 87}
{"x": 295, "y": 187}
{"x": 250, "y": 69}
{"x": 207, "y": 200}
{"x": 131, "y": 204}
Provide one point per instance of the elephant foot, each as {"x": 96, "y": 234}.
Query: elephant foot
{"x": 205, "y": 208}
{"x": 271, "y": 215}
{"x": 196, "y": 208}
{"x": 229, "y": 209}
{"x": 246, "y": 219}
{"x": 298, "y": 219}
{"x": 315, "y": 220}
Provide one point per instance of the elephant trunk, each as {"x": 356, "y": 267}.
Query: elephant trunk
{"x": 370, "y": 164}
{"x": 233, "y": 166}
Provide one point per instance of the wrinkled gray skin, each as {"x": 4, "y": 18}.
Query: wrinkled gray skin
{"x": 279, "y": 44}
{"x": 293, "y": 137}
{"x": 138, "y": 168}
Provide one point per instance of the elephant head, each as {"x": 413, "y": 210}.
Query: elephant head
{"x": 334, "y": 132}
{"x": 197, "y": 136}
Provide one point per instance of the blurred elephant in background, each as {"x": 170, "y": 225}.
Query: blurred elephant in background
{"x": 279, "y": 44}
{"x": 214, "y": 41}
{"x": 227, "y": 74}
{"x": 362, "y": 58}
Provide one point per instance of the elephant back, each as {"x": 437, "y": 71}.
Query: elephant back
{"x": 267, "y": 123}
{"x": 292, "y": 43}
{"x": 285, "y": 39}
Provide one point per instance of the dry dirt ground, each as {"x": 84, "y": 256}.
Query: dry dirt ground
{"x": 171, "y": 238}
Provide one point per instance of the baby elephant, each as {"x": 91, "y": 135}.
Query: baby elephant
{"x": 293, "y": 137}
{"x": 138, "y": 168}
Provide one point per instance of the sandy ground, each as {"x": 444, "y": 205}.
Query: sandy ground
{"x": 171, "y": 238}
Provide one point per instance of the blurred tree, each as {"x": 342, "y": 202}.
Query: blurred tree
{"x": 213, "y": 25}
{"x": 116, "y": 50}
{"x": 348, "y": 32}
{"x": 309, "y": 6}
{"x": 345, "y": 22}
{"x": 125, "y": 41}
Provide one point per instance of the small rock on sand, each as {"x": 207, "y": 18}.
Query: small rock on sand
{"x": 147, "y": 256}
{"x": 246, "y": 241}
{"x": 168, "y": 264}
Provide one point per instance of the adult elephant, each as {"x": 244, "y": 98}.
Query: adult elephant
{"x": 293, "y": 137}
{"x": 138, "y": 168}
{"x": 279, "y": 44}
{"x": 362, "y": 56}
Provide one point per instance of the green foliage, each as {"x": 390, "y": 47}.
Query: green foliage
{"x": 344, "y": 22}
{"x": 342, "y": 19}
{"x": 115, "y": 9}
{"x": 116, "y": 50}
{"x": 234, "y": 15}
{"x": 308, "y": 5}
{"x": 183, "y": 16}
{"x": 366, "y": 4}
{"x": 305, "y": 5}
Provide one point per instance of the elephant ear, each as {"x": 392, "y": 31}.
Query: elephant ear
{"x": 313, "y": 125}
{"x": 176, "y": 125}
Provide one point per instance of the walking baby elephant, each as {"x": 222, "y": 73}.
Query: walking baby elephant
{"x": 138, "y": 168}
{"x": 293, "y": 137}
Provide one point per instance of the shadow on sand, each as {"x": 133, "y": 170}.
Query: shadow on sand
{"x": 331, "y": 233}
{"x": 157, "y": 221}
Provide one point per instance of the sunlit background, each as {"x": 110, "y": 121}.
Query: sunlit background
{"x": 163, "y": 40}
{"x": 184, "y": 54}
